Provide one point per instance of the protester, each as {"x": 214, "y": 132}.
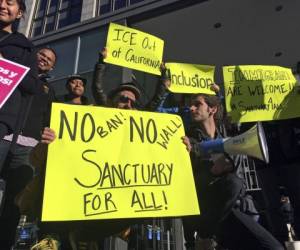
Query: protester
{"x": 287, "y": 213}
{"x": 76, "y": 86}
{"x": 55, "y": 235}
{"x": 38, "y": 116}
{"x": 17, "y": 48}
{"x": 115, "y": 97}
{"x": 46, "y": 59}
{"x": 37, "y": 119}
{"x": 283, "y": 138}
{"x": 125, "y": 96}
{"x": 218, "y": 188}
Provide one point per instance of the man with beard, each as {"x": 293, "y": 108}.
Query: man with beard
{"x": 218, "y": 188}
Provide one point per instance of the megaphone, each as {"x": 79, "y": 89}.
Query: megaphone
{"x": 294, "y": 245}
{"x": 252, "y": 143}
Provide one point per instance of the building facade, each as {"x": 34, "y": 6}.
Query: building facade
{"x": 203, "y": 31}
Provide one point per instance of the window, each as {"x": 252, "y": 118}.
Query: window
{"x": 66, "y": 56}
{"x": 135, "y": 1}
{"x": 85, "y": 47}
{"x": 106, "y": 6}
{"x": 91, "y": 44}
{"x": 54, "y": 14}
{"x": 119, "y": 4}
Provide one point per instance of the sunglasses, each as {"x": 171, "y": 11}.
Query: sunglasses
{"x": 126, "y": 99}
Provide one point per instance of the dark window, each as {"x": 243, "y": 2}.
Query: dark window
{"x": 36, "y": 28}
{"x": 53, "y": 7}
{"x": 65, "y": 4}
{"x": 41, "y": 8}
{"x": 63, "y": 19}
{"x": 106, "y": 6}
{"x": 75, "y": 14}
{"x": 66, "y": 51}
{"x": 135, "y": 1}
{"x": 54, "y": 14}
{"x": 91, "y": 44}
{"x": 49, "y": 25}
{"x": 120, "y": 4}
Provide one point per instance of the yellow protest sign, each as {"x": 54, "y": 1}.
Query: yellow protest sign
{"x": 113, "y": 163}
{"x": 191, "y": 78}
{"x": 134, "y": 49}
{"x": 260, "y": 93}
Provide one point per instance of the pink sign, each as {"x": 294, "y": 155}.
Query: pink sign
{"x": 11, "y": 74}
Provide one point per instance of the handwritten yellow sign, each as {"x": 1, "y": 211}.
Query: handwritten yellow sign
{"x": 191, "y": 78}
{"x": 260, "y": 93}
{"x": 113, "y": 163}
{"x": 134, "y": 49}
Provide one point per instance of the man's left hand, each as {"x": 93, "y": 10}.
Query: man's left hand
{"x": 48, "y": 136}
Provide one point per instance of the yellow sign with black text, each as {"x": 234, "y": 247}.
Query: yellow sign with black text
{"x": 260, "y": 93}
{"x": 191, "y": 78}
{"x": 112, "y": 163}
{"x": 134, "y": 49}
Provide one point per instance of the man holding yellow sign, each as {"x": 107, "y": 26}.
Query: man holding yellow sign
{"x": 144, "y": 176}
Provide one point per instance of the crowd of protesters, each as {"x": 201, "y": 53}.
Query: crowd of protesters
{"x": 25, "y": 134}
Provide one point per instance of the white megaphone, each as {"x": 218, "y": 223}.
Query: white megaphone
{"x": 292, "y": 245}
{"x": 252, "y": 143}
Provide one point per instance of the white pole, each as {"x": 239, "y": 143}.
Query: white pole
{"x": 168, "y": 240}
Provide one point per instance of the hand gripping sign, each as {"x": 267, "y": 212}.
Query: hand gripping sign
{"x": 134, "y": 49}
{"x": 111, "y": 163}
{"x": 260, "y": 93}
{"x": 11, "y": 74}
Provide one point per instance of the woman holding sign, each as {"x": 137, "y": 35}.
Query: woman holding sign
{"x": 17, "y": 48}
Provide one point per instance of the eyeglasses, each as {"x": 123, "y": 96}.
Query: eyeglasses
{"x": 126, "y": 99}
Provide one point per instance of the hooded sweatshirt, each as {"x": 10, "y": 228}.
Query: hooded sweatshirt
{"x": 17, "y": 48}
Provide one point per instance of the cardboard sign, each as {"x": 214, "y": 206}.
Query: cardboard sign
{"x": 191, "y": 78}
{"x": 134, "y": 49}
{"x": 114, "y": 163}
{"x": 260, "y": 93}
{"x": 11, "y": 74}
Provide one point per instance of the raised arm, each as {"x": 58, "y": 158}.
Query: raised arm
{"x": 97, "y": 84}
{"x": 161, "y": 91}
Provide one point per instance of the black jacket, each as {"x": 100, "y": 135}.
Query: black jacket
{"x": 17, "y": 48}
{"x": 40, "y": 109}
{"x": 283, "y": 139}
{"x": 217, "y": 195}
{"x": 101, "y": 98}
